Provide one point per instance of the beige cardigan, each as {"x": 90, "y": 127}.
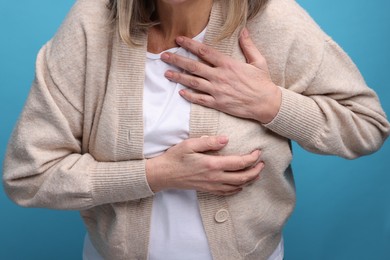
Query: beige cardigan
{"x": 78, "y": 143}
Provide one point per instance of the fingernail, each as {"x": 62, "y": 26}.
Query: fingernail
{"x": 262, "y": 165}
{"x": 223, "y": 139}
{"x": 179, "y": 39}
{"x": 245, "y": 33}
{"x": 257, "y": 152}
{"x": 169, "y": 74}
{"x": 165, "y": 56}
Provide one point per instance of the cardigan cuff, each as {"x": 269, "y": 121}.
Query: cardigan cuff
{"x": 119, "y": 181}
{"x": 299, "y": 118}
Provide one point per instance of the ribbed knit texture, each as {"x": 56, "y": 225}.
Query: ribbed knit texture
{"x": 129, "y": 99}
{"x": 78, "y": 143}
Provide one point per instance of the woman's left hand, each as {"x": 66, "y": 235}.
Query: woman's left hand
{"x": 220, "y": 82}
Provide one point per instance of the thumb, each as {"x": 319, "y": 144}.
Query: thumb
{"x": 251, "y": 53}
{"x": 207, "y": 143}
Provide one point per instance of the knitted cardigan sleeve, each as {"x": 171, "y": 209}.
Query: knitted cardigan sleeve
{"x": 326, "y": 105}
{"x": 44, "y": 164}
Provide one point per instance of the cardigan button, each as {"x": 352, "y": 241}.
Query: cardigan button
{"x": 221, "y": 216}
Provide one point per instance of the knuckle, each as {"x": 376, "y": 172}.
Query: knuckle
{"x": 172, "y": 58}
{"x": 211, "y": 141}
{"x": 249, "y": 45}
{"x": 186, "y": 145}
{"x": 262, "y": 62}
{"x": 243, "y": 180}
{"x": 223, "y": 80}
{"x": 176, "y": 76}
{"x": 241, "y": 164}
{"x": 210, "y": 165}
{"x": 212, "y": 178}
{"x": 230, "y": 65}
{"x": 193, "y": 67}
{"x": 250, "y": 160}
{"x": 194, "y": 83}
{"x": 202, "y": 100}
{"x": 203, "y": 51}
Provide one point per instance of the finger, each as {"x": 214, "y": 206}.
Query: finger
{"x": 251, "y": 182}
{"x": 189, "y": 81}
{"x": 227, "y": 193}
{"x": 243, "y": 178}
{"x": 251, "y": 53}
{"x": 201, "y": 99}
{"x": 215, "y": 188}
{"x": 223, "y": 187}
{"x": 204, "y": 52}
{"x": 206, "y": 143}
{"x": 234, "y": 163}
{"x": 191, "y": 66}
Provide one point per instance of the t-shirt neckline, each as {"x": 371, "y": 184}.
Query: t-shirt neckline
{"x": 156, "y": 56}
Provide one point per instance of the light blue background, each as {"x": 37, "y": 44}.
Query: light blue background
{"x": 343, "y": 208}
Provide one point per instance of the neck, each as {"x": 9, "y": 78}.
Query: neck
{"x": 187, "y": 18}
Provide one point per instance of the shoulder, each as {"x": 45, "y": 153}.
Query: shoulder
{"x": 81, "y": 42}
{"x": 287, "y": 35}
{"x": 89, "y": 9}
{"x": 87, "y": 22}
{"x": 287, "y": 17}
{"x": 87, "y": 18}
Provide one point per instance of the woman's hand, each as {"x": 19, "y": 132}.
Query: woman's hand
{"x": 186, "y": 166}
{"x": 240, "y": 89}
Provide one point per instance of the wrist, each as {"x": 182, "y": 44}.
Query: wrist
{"x": 270, "y": 104}
{"x": 152, "y": 177}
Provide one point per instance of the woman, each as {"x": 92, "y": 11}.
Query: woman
{"x": 108, "y": 128}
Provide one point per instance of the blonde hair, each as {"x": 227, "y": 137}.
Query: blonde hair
{"x": 138, "y": 15}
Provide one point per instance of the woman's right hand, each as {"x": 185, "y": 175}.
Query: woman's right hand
{"x": 186, "y": 166}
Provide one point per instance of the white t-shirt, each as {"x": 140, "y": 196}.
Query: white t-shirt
{"x": 176, "y": 227}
